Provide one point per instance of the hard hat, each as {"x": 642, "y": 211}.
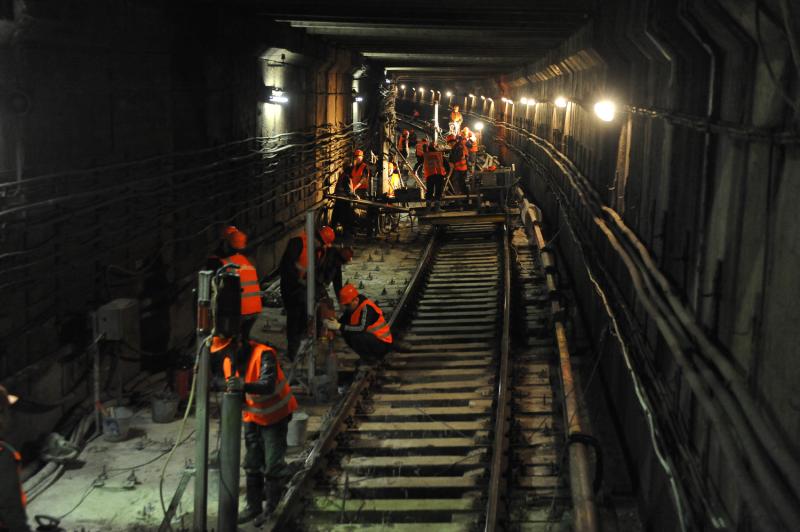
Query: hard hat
{"x": 229, "y": 230}
{"x": 405, "y": 132}
{"x": 451, "y": 137}
{"x": 358, "y": 153}
{"x": 327, "y": 235}
{"x": 465, "y": 130}
{"x": 6, "y": 399}
{"x": 347, "y": 294}
{"x": 219, "y": 343}
{"x": 237, "y": 240}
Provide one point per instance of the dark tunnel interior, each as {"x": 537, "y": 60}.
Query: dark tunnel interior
{"x": 640, "y": 159}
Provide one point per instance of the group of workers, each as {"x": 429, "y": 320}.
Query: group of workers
{"x": 254, "y": 368}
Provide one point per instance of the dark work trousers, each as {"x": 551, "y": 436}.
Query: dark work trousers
{"x": 369, "y": 348}
{"x": 343, "y": 214}
{"x": 459, "y": 178}
{"x": 296, "y": 322}
{"x": 435, "y": 183}
{"x": 265, "y": 449}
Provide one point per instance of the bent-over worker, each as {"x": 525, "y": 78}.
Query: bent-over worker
{"x": 12, "y": 496}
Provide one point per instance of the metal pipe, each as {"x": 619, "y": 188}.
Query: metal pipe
{"x": 229, "y": 452}
{"x": 311, "y": 282}
{"x": 201, "y": 408}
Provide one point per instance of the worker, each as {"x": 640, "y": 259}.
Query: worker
{"x": 472, "y": 145}
{"x": 412, "y": 138}
{"x": 343, "y": 212}
{"x": 331, "y": 267}
{"x": 458, "y": 157}
{"x": 359, "y": 174}
{"x": 451, "y": 141}
{"x": 419, "y": 152}
{"x": 394, "y": 179}
{"x": 293, "y": 269}
{"x": 362, "y": 325}
{"x": 402, "y": 143}
{"x": 434, "y": 169}
{"x": 232, "y": 251}
{"x": 12, "y": 496}
{"x": 266, "y": 411}
{"x": 456, "y": 118}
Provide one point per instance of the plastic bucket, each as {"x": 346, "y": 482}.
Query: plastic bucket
{"x": 117, "y": 423}
{"x": 296, "y": 435}
{"x": 164, "y": 407}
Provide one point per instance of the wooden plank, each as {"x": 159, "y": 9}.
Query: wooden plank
{"x": 475, "y": 458}
{"x": 452, "y": 346}
{"x": 538, "y": 482}
{"x": 439, "y": 385}
{"x": 415, "y": 364}
{"x": 420, "y": 426}
{"x": 413, "y": 338}
{"x": 433, "y": 328}
{"x": 397, "y": 527}
{"x": 413, "y": 374}
{"x": 361, "y": 482}
{"x": 389, "y": 397}
{"x": 430, "y": 411}
{"x": 418, "y": 357}
{"x": 419, "y": 443}
{"x": 329, "y": 504}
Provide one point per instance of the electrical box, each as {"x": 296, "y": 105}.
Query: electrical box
{"x": 118, "y": 321}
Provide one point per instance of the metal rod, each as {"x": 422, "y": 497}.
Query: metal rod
{"x": 201, "y": 407}
{"x": 311, "y": 300}
{"x": 229, "y": 452}
{"x": 176, "y": 499}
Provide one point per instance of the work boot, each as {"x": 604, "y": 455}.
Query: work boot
{"x": 273, "y": 492}
{"x": 254, "y": 496}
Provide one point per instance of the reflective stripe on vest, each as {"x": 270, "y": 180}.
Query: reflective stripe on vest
{"x": 380, "y": 328}
{"x": 264, "y": 409}
{"x": 248, "y": 278}
{"x": 355, "y": 174}
{"x": 433, "y": 163}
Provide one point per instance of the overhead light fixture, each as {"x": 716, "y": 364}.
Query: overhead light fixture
{"x": 403, "y": 87}
{"x": 503, "y": 99}
{"x": 359, "y": 99}
{"x": 449, "y": 94}
{"x": 275, "y": 95}
{"x": 477, "y": 126}
{"x": 561, "y": 102}
{"x": 471, "y": 95}
{"x": 605, "y": 110}
{"x": 422, "y": 89}
{"x": 483, "y": 97}
{"x": 388, "y": 80}
{"x": 523, "y": 101}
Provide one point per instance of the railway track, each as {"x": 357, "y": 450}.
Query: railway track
{"x": 426, "y": 441}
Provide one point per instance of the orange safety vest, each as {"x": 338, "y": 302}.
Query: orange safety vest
{"x": 380, "y": 328}
{"x": 461, "y": 163}
{"x": 455, "y": 116}
{"x": 474, "y": 147}
{"x": 302, "y": 260}
{"x": 263, "y": 409}
{"x": 251, "y": 295}
{"x": 420, "y": 148}
{"x": 433, "y": 164}
{"x": 18, "y": 459}
{"x": 356, "y": 182}
{"x": 401, "y": 142}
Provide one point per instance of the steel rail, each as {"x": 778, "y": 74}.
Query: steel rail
{"x": 290, "y": 503}
{"x": 494, "y": 512}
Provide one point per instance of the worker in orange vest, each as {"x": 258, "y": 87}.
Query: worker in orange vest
{"x": 358, "y": 173}
{"x": 266, "y": 412}
{"x": 402, "y": 143}
{"x": 419, "y": 152}
{"x": 12, "y": 496}
{"x": 456, "y": 118}
{"x": 458, "y": 157}
{"x": 293, "y": 269}
{"x": 362, "y": 325}
{"x": 472, "y": 145}
{"x": 433, "y": 166}
{"x": 233, "y": 251}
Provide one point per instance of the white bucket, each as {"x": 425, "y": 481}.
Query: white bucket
{"x": 296, "y": 435}
{"x": 117, "y": 424}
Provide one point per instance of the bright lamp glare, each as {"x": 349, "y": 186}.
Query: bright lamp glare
{"x": 471, "y": 95}
{"x": 449, "y": 94}
{"x": 483, "y": 97}
{"x": 477, "y": 126}
{"x": 605, "y": 110}
{"x": 561, "y": 102}
{"x": 359, "y": 98}
{"x": 523, "y": 101}
{"x": 422, "y": 89}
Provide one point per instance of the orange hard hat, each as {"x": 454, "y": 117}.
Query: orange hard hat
{"x": 358, "y": 153}
{"x": 219, "y": 343}
{"x": 327, "y": 235}
{"x": 451, "y": 137}
{"x": 405, "y": 132}
{"x": 237, "y": 240}
{"x": 347, "y": 294}
{"x": 229, "y": 231}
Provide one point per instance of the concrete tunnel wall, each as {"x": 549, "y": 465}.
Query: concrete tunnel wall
{"x": 716, "y": 209}
{"x": 141, "y": 96}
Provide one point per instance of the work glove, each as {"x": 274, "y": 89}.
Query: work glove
{"x": 234, "y": 384}
{"x": 331, "y": 324}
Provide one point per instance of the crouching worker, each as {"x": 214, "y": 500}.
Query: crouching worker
{"x": 12, "y": 497}
{"x": 362, "y": 325}
{"x": 266, "y": 412}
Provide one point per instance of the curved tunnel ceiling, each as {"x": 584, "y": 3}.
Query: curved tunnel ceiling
{"x": 418, "y": 41}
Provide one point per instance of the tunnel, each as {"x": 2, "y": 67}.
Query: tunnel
{"x": 501, "y": 266}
